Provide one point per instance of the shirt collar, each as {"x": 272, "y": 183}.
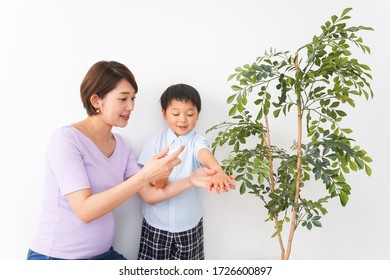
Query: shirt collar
{"x": 171, "y": 137}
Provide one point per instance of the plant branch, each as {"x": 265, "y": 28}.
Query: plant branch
{"x": 267, "y": 141}
{"x": 298, "y": 169}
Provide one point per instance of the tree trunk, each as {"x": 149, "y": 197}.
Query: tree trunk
{"x": 298, "y": 168}
{"x": 267, "y": 140}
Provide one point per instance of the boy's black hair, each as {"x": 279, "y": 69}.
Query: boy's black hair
{"x": 180, "y": 92}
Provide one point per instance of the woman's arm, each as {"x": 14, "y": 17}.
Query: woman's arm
{"x": 88, "y": 206}
{"x": 199, "y": 178}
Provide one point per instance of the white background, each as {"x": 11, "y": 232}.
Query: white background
{"x": 47, "y": 46}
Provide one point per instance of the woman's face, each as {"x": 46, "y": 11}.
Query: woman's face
{"x": 115, "y": 108}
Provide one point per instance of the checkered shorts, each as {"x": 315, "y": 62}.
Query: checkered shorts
{"x": 159, "y": 244}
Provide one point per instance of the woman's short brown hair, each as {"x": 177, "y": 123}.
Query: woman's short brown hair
{"x": 102, "y": 78}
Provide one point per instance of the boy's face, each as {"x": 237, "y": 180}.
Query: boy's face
{"x": 181, "y": 116}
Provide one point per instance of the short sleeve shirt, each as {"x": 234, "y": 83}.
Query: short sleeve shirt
{"x": 183, "y": 211}
{"x": 74, "y": 163}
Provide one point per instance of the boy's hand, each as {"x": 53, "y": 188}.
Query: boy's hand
{"x": 161, "y": 183}
{"x": 222, "y": 182}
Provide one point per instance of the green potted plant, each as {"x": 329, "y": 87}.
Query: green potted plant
{"x": 312, "y": 85}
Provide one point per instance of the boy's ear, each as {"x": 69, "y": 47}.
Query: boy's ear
{"x": 164, "y": 113}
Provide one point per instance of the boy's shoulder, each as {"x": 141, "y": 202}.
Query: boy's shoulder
{"x": 156, "y": 138}
{"x": 197, "y": 135}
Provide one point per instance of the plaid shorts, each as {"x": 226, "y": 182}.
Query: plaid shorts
{"x": 159, "y": 244}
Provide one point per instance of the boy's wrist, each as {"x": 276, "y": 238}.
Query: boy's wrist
{"x": 188, "y": 182}
{"x": 219, "y": 170}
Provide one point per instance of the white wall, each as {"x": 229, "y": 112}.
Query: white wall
{"x": 47, "y": 46}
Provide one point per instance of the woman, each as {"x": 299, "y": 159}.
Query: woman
{"x": 90, "y": 171}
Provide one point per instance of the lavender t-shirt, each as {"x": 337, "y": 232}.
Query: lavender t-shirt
{"x": 74, "y": 163}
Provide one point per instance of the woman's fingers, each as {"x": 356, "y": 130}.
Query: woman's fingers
{"x": 173, "y": 158}
{"x": 176, "y": 152}
{"x": 161, "y": 154}
{"x": 162, "y": 164}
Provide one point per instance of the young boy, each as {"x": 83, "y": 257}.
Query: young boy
{"x": 173, "y": 229}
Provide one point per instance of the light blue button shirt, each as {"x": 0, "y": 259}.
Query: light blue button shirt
{"x": 183, "y": 211}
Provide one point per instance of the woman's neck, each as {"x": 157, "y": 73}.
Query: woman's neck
{"x": 95, "y": 129}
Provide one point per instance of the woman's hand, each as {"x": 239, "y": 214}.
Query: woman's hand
{"x": 161, "y": 165}
{"x": 202, "y": 177}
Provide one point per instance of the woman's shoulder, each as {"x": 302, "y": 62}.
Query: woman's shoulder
{"x": 68, "y": 135}
{"x": 61, "y": 131}
{"x": 66, "y": 131}
{"x": 63, "y": 138}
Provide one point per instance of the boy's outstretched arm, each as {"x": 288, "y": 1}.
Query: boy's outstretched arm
{"x": 199, "y": 178}
{"x": 220, "y": 182}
